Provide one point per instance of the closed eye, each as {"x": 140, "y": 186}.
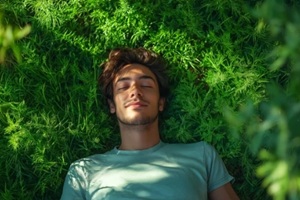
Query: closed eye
{"x": 146, "y": 86}
{"x": 122, "y": 88}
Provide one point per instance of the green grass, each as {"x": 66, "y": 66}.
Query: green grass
{"x": 221, "y": 56}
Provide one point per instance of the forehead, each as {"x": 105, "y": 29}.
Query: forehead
{"x": 133, "y": 71}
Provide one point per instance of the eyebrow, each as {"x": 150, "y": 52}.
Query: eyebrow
{"x": 140, "y": 78}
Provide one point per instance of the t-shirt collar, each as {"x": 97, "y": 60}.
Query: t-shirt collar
{"x": 138, "y": 152}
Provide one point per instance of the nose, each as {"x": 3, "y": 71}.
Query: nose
{"x": 136, "y": 92}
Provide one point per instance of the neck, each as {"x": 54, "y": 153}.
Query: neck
{"x": 139, "y": 137}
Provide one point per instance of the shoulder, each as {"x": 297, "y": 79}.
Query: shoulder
{"x": 196, "y": 146}
{"x": 86, "y": 165}
{"x": 87, "y": 160}
{"x": 197, "y": 150}
{"x": 201, "y": 151}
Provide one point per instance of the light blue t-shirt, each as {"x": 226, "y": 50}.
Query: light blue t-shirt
{"x": 165, "y": 171}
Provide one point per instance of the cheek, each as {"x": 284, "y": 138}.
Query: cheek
{"x": 119, "y": 99}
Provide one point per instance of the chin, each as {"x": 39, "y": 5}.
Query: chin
{"x": 138, "y": 121}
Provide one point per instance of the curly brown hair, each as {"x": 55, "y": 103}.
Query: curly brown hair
{"x": 118, "y": 58}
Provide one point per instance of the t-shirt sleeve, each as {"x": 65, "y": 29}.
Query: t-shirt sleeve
{"x": 75, "y": 182}
{"x": 216, "y": 170}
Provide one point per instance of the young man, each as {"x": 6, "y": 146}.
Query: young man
{"x": 144, "y": 167}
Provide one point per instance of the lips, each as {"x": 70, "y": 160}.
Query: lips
{"x": 137, "y": 104}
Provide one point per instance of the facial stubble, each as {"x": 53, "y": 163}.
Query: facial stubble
{"x": 138, "y": 122}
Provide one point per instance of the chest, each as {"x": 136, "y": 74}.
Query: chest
{"x": 148, "y": 180}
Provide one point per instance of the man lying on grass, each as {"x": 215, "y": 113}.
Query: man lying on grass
{"x": 144, "y": 167}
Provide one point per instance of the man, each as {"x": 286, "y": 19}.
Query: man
{"x": 144, "y": 167}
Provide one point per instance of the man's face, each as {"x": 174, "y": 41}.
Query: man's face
{"x": 136, "y": 96}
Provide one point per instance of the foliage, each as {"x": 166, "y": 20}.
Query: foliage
{"x": 51, "y": 112}
{"x": 8, "y": 36}
{"x": 272, "y": 127}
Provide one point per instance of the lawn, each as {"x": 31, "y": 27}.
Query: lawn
{"x": 234, "y": 70}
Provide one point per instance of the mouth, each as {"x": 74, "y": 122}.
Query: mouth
{"x": 136, "y": 105}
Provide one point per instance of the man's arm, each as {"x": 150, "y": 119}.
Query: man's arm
{"x": 75, "y": 182}
{"x": 224, "y": 192}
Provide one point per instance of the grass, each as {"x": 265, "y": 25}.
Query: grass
{"x": 51, "y": 112}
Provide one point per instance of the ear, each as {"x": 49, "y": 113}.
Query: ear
{"x": 161, "y": 104}
{"x": 112, "y": 107}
